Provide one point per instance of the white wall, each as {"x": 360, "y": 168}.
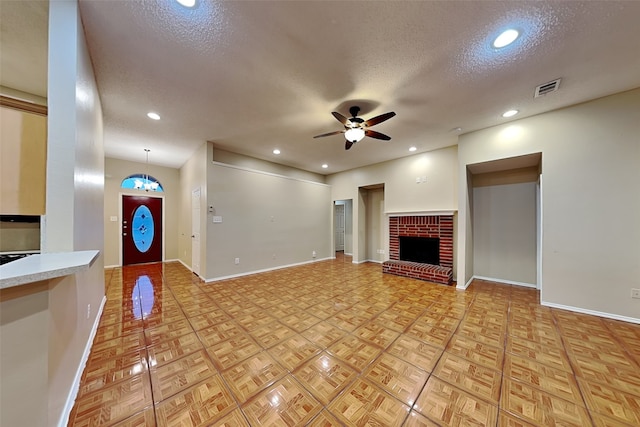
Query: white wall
{"x": 269, "y": 221}
{"x": 74, "y": 206}
{"x": 590, "y": 199}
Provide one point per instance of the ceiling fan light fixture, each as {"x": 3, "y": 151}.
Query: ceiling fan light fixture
{"x": 354, "y": 135}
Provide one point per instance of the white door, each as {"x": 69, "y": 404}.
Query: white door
{"x": 339, "y": 226}
{"x": 195, "y": 231}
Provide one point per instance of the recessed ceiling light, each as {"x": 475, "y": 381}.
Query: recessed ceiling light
{"x": 154, "y": 116}
{"x": 325, "y": 166}
{"x": 412, "y": 148}
{"x": 506, "y": 38}
{"x": 276, "y": 151}
{"x": 187, "y": 3}
{"x": 510, "y": 113}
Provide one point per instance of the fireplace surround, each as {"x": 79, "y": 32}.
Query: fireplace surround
{"x": 425, "y": 226}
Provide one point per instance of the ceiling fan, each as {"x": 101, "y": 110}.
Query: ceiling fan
{"x": 355, "y": 128}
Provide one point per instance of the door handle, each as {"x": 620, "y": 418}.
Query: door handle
{"x": 193, "y": 236}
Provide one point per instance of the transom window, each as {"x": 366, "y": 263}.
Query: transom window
{"x": 142, "y": 182}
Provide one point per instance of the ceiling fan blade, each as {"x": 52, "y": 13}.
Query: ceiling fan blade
{"x": 348, "y": 144}
{"x": 330, "y": 133}
{"x": 379, "y": 119}
{"x": 339, "y": 117}
{"x": 376, "y": 135}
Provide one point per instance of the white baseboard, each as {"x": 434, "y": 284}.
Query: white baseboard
{"x": 591, "y": 312}
{"x": 464, "y": 286}
{"x": 280, "y": 267}
{"x": 188, "y": 267}
{"x": 506, "y": 282}
{"x": 374, "y": 260}
{"x": 73, "y": 393}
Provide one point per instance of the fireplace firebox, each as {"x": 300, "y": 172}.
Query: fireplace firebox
{"x": 420, "y": 249}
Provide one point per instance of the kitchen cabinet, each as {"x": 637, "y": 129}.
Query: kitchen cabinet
{"x": 23, "y": 159}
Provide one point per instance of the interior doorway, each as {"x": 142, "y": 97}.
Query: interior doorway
{"x": 142, "y": 229}
{"x": 343, "y": 227}
{"x": 195, "y": 231}
{"x": 338, "y": 218}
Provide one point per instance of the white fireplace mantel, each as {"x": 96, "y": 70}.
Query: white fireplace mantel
{"x": 421, "y": 213}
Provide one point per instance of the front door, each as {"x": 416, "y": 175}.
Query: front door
{"x": 141, "y": 229}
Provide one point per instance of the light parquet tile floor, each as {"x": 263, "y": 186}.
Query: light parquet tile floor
{"x": 339, "y": 344}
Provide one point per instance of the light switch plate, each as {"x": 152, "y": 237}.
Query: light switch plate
{"x": 217, "y": 219}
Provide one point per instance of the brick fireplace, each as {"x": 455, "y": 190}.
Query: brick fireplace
{"x": 430, "y": 226}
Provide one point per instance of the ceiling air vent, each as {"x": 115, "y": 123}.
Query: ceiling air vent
{"x": 544, "y": 89}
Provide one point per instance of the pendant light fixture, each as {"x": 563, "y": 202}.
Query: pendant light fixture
{"x": 145, "y": 183}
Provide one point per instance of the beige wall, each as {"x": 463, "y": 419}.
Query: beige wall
{"x": 401, "y": 192}
{"x": 268, "y": 221}
{"x": 590, "y": 199}
{"x": 75, "y": 185}
{"x": 115, "y": 171}
{"x": 504, "y": 232}
{"x": 19, "y": 236}
{"x": 247, "y": 162}
{"x": 193, "y": 174}
{"x": 24, "y": 352}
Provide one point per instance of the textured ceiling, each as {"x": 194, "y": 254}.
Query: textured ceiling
{"x": 254, "y": 76}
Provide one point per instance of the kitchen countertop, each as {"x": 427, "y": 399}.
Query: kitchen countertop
{"x": 45, "y": 266}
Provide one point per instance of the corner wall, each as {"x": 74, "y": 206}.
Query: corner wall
{"x": 74, "y": 202}
{"x": 591, "y": 202}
